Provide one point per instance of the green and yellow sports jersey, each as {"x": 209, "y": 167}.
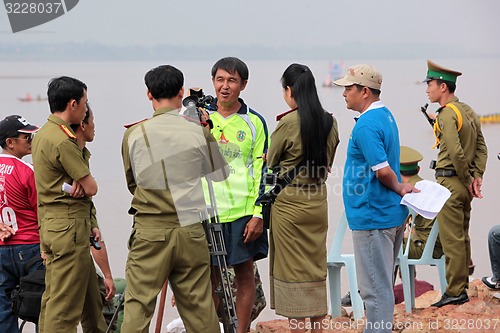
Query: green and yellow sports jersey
{"x": 242, "y": 139}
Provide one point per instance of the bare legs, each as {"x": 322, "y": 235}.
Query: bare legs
{"x": 245, "y": 294}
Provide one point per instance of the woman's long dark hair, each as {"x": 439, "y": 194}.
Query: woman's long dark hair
{"x": 315, "y": 122}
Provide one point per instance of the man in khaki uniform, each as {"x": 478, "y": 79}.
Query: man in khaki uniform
{"x": 85, "y": 132}
{"x": 165, "y": 158}
{"x": 460, "y": 167}
{"x": 409, "y": 169}
{"x": 65, "y": 224}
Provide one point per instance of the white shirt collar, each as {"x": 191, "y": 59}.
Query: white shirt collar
{"x": 374, "y": 105}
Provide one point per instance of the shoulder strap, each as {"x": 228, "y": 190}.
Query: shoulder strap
{"x": 287, "y": 179}
{"x": 459, "y": 115}
{"x": 438, "y": 129}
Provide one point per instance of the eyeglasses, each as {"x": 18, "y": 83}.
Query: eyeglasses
{"x": 29, "y": 138}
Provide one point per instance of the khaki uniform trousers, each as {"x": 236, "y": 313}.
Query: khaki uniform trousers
{"x": 417, "y": 244}
{"x": 71, "y": 287}
{"x": 454, "y": 220}
{"x": 92, "y": 310}
{"x": 179, "y": 254}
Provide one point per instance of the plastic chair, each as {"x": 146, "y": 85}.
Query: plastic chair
{"x": 407, "y": 266}
{"x": 335, "y": 262}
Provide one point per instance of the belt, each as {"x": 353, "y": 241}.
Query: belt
{"x": 445, "y": 173}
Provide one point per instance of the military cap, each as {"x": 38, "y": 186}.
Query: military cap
{"x": 409, "y": 158}
{"x": 436, "y": 72}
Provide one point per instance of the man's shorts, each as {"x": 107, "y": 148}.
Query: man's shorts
{"x": 239, "y": 252}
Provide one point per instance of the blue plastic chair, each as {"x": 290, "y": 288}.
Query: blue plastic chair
{"x": 407, "y": 266}
{"x": 335, "y": 262}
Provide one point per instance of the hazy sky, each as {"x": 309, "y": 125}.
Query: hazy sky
{"x": 271, "y": 23}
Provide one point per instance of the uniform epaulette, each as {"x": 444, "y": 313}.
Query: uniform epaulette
{"x": 67, "y": 131}
{"x": 132, "y": 124}
{"x": 278, "y": 117}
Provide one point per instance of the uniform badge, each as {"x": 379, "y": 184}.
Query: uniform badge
{"x": 241, "y": 135}
{"x": 441, "y": 126}
{"x": 67, "y": 131}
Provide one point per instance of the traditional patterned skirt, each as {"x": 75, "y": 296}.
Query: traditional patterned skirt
{"x": 299, "y": 224}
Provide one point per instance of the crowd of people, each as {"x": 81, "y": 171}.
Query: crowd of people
{"x": 173, "y": 162}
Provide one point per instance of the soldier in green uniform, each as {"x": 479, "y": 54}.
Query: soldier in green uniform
{"x": 164, "y": 158}
{"x": 65, "y": 223}
{"x": 460, "y": 167}
{"x": 422, "y": 227}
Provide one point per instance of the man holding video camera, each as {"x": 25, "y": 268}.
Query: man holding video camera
{"x": 165, "y": 158}
{"x": 243, "y": 138}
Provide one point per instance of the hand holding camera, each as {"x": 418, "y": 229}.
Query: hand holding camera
{"x": 197, "y": 105}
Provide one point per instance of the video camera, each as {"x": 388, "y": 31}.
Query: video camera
{"x": 271, "y": 180}
{"x": 197, "y": 100}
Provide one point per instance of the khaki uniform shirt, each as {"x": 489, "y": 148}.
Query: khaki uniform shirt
{"x": 165, "y": 158}
{"x": 286, "y": 147}
{"x": 58, "y": 159}
{"x": 463, "y": 151}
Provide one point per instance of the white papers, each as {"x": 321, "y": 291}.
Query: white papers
{"x": 429, "y": 201}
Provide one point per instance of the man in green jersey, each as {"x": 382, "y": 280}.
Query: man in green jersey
{"x": 242, "y": 136}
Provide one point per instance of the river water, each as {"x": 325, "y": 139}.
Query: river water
{"x": 117, "y": 94}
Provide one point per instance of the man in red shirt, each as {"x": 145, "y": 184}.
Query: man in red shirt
{"x": 19, "y": 238}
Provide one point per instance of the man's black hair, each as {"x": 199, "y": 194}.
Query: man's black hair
{"x": 375, "y": 92}
{"x": 85, "y": 120}
{"x": 3, "y": 142}
{"x": 451, "y": 85}
{"x": 231, "y": 65}
{"x": 164, "y": 81}
{"x": 62, "y": 90}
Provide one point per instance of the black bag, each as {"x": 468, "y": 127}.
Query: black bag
{"x": 27, "y": 297}
{"x": 266, "y": 213}
{"x": 277, "y": 185}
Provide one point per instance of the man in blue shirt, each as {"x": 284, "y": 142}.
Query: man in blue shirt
{"x": 372, "y": 191}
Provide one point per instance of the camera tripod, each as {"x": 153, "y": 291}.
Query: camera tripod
{"x": 217, "y": 249}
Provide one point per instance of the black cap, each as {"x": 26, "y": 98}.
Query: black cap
{"x": 11, "y": 126}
